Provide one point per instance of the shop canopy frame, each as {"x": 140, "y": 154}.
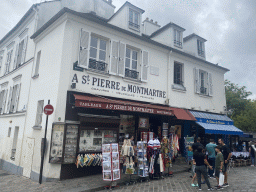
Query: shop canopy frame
{"x": 216, "y": 123}
{"x": 100, "y": 102}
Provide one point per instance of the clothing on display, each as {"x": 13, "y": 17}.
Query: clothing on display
{"x": 165, "y": 151}
{"x": 174, "y": 145}
{"x": 128, "y": 152}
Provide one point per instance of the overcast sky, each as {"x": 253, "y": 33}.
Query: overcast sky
{"x": 228, "y": 25}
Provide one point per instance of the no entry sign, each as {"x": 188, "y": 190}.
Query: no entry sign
{"x": 48, "y": 109}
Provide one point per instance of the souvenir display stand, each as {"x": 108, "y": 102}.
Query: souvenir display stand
{"x": 127, "y": 152}
{"x": 110, "y": 163}
{"x": 142, "y": 160}
{"x": 188, "y": 148}
{"x": 156, "y": 166}
{"x": 165, "y": 150}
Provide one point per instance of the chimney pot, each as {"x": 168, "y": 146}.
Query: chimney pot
{"x": 151, "y": 20}
{"x": 156, "y": 22}
{"x": 147, "y": 18}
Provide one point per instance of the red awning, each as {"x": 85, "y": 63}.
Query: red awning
{"x": 98, "y": 102}
{"x": 183, "y": 114}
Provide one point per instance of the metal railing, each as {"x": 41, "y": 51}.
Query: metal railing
{"x": 201, "y": 52}
{"x": 134, "y": 25}
{"x": 179, "y": 43}
{"x": 131, "y": 74}
{"x": 97, "y": 65}
{"x": 203, "y": 90}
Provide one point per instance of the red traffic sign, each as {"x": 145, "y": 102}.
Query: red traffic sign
{"x": 48, "y": 109}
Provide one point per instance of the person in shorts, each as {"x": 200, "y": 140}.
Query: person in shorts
{"x": 226, "y": 155}
{"x": 219, "y": 162}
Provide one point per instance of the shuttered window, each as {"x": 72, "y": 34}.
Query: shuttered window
{"x": 134, "y": 19}
{"x": 20, "y": 53}
{"x": 38, "y": 58}
{"x": 177, "y": 38}
{"x": 1, "y": 61}
{"x": 203, "y": 82}
{"x": 15, "y": 98}
{"x": 8, "y": 61}
{"x": 3, "y": 96}
{"x": 131, "y": 63}
{"x": 39, "y": 113}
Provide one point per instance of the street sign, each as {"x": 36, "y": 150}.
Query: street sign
{"x": 48, "y": 109}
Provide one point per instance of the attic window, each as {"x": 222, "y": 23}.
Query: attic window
{"x": 177, "y": 38}
{"x": 200, "y": 47}
{"x": 134, "y": 20}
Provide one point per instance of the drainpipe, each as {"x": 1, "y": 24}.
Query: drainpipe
{"x": 36, "y": 22}
{"x": 168, "y": 69}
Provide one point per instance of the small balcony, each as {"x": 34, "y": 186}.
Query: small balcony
{"x": 203, "y": 90}
{"x": 97, "y": 65}
{"x": 134, "y": 25}
{"x": 131, "y": 74}
{"x": 178, "y": 43}
{"x": 201, "y": 53}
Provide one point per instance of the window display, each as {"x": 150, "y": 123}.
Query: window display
{"x": 91, "y": 140}
{"x": 71, "y": 143}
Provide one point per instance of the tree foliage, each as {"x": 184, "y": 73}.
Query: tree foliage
{"x": 241, "y": 109}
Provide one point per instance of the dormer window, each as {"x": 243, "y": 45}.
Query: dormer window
{"x": 134, "y": 20}
{"x": 200, "y": 48}
{"x": 177, "y": 38}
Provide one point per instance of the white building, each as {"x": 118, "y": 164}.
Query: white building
{"x": 96, "y": 65}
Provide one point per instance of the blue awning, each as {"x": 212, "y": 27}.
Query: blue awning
{"x": 220, "y": 129}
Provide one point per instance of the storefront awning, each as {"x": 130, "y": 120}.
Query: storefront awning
{"x": 99, "y": 102}
{"x": 220, "y": 129}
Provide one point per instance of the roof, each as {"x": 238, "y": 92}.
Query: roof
{"x": 166, "y": 27}
{"x": 193, "y": 35}
{"x": 104, "y": 22}
{"x": 211, "y": 116}
{"x": 126, "y": 3}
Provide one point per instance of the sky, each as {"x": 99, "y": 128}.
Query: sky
{"x": 229, "y": 27}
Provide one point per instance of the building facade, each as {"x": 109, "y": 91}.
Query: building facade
{"x": 105, "y": 73}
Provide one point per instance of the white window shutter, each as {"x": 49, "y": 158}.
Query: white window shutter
{"x": 24, "y": 49}
{"x": 83, "y": 59}
{"x": 197, "y": 80}
{"x": 17, "y": 98}
{"x": 210, "y": 84}
{"x": 16, "y": 57}
{"x": 144, "y": 66}
{"x": 9, "y": 100}
{"x": 121, "y": 63}
{"x": 114, "y": 57}
{"x": 4, "y": 101}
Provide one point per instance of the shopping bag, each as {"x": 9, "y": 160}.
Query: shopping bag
{"x": 221, "y": 179}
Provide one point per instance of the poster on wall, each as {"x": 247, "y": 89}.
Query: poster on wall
{"x": 143, "y": 122}
{"x": 178, "y": 130}
{"x": 56, "y": 151}
{"x": 172, "y": 129}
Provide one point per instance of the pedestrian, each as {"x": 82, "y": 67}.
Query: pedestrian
{"x": 219, "y": 162}
{"x": 197, "y": 144}
{"x": 226, "y": 155}
{"x": 252, "y": 153}
{"x": 210, "y": 147}
{"x": 200, "y": 161}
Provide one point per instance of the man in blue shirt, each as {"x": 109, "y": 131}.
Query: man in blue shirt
{"x": 211, "y": 156}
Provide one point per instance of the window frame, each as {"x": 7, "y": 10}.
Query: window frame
{"x": 100, "y": 65}
{"x": 38, "y": 60}
{"x": 132, "y": 24}
{"x": 177, "y": 42}
{"x": 181, "y": 74}
{"x": 200, "y": 48}
{"x": 39, "y": 114}
{"x": 1, "y": 60}
{"x": 8, "y": 61}
{"x": 130, "y": 68}
{"x": 205, "y": 88}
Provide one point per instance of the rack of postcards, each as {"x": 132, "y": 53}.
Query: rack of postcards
{"x": 188, "y": 148}
{"x": 142, "y": 158}
{"x": 110, "y": 162}
{"x": 86, "y": 160}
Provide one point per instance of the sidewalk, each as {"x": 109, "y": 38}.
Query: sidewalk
{"x": 9, "y": 182}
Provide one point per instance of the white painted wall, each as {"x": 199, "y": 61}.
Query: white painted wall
{"x": 165, "y": 37}
{"x": 190, "y": 46}
{"x": 150, "y": 27}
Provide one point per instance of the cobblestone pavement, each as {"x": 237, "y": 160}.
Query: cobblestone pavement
{"x": 241, "y": 179}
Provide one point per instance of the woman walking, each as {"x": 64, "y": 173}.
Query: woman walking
{"x": 200, "y": 161}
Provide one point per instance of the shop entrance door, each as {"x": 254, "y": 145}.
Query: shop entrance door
{"x": 28, "y": 158}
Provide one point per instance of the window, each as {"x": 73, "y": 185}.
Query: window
{"x": 8, "y": 61}
{"x": 20, "y": 52}
{"x": 14, "y": 143}
{"x": 98, "y": 48}
{"x": 37, "y": 63}
{"x": 178, "y": 79}
{"x": 177, "y": 38}
{"x": 3, "y": 96}
{"x": 39, "y": 113}
{"x": 131, "y": 63}
{"x": 203, "y": 82}
{"x": 134, "y": 19}
{"x": 14, "y": 98}
{"x": 9, "y": 132}
{"x": 200, "y": 46}
{"x": 1, "y": 60}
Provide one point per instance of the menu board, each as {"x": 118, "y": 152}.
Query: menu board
{"x": 70, "y": 144}
{"x": 57, "y": 143}
{"x": 110, "y": 162}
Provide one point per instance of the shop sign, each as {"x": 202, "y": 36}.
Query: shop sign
{"x": 219, "y": 122}
{"x": 120, "y": 107}
{"x": 106, "y": 85}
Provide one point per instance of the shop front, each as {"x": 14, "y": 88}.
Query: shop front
{"x": 92, "y": 121}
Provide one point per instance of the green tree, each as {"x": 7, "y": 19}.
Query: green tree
{"x": 236, "y": 98}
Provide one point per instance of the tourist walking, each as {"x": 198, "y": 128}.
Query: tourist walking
{"x": 219, "y": 163}
{"x": 226, "y": 155}
{"x": 210, "y": 147}
{"x": 200, "y": 161}
{"x": 252, "y": 153}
